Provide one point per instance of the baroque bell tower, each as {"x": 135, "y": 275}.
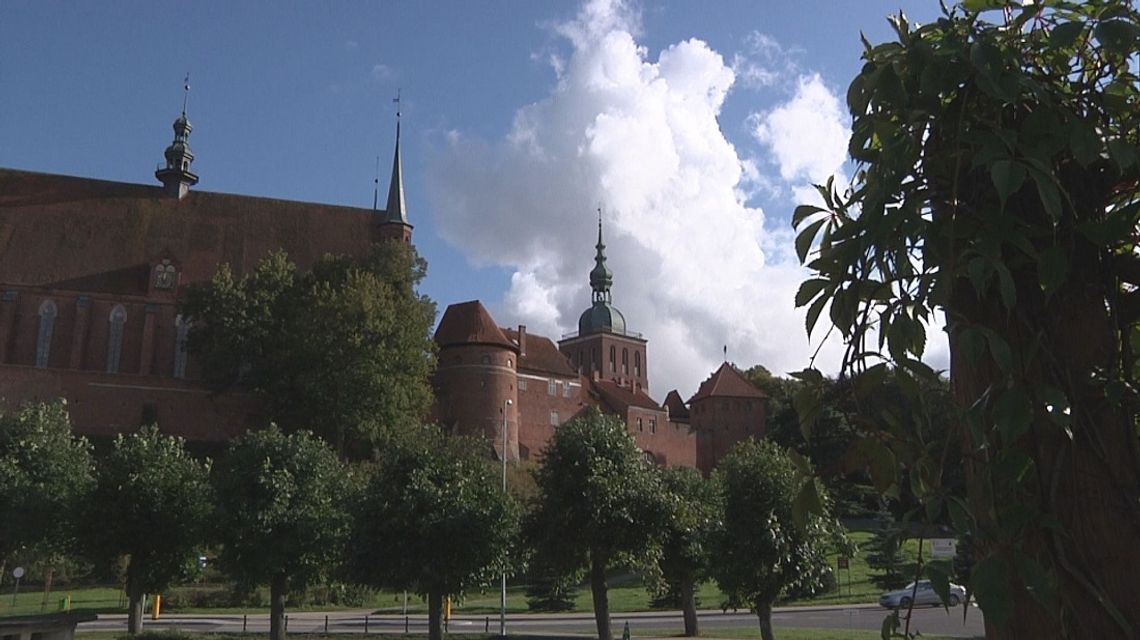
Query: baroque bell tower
{"x": 177, "y": 177}
{"x": 603, "y": 347}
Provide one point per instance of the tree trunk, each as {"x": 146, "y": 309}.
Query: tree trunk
{"x": 1087, "y": 482}
{"x": 435, "y": 615}
{"x": 764, "y": 613}
{"x": 278, "y": 589}
{"x": 135, "y": 601}
{"x": 689, "y": 607}
{"x": 600, "y": 592}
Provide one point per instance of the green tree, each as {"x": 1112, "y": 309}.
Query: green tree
{"x": 693, "y": 514}
{"x": 45, "y": 472}
{"x": 760, "y": 551}
{"x": 282, "y": 513}
{"x": 884, "y": 554}
{"x": 599, "y": 505}
{"x": 344, "y": 349}
{"x": 998, "y": 163}
{"x": 150, "y": 505}
{"x": 433, "y": 519}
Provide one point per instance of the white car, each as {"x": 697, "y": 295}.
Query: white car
{"x": 923, "y": 594}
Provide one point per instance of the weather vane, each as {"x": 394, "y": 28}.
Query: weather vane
{"x": 397, "y": 101}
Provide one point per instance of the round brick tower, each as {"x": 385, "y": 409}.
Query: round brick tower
{"x": 476, "y": 380}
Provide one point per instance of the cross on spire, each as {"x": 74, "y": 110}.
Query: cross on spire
{"x": 185, "y": 92}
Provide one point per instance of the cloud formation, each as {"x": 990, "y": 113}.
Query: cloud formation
{"x": 696, "y": 266}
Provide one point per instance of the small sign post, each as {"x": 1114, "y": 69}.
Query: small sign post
{"x": 943, "y": 547}
{"x": 17, "y": 573}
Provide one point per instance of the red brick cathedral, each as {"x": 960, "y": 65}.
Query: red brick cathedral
{"x": 91, "y": 272}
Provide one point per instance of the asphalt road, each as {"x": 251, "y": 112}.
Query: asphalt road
{"x": 929, "y": 621}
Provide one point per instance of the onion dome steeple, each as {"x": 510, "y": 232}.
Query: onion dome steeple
{"x": 176, "y": 176}
{"x": 602, "y": 316}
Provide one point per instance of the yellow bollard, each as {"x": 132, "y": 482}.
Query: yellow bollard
{"x": 447, "y": 610}
{"x": 157, "y": 611}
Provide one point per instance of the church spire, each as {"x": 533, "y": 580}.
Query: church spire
{"x": 397, "y": 210}
{"x": 601, "y": 278}
{"x": 176, "y": 176}
{"x": 394, "y": 224}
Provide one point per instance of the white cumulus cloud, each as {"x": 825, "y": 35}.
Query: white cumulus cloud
{"x": 695, "y": 265}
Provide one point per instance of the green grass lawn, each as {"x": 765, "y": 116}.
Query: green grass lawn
{"x": 627, "y": 593}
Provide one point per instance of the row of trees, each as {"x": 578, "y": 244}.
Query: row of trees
{"x": 427, "y": 515}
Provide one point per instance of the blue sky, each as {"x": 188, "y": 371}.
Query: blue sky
{"x": 696, "y": 126}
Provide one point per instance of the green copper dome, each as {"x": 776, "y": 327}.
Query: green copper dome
{"x": 602, "y": 316}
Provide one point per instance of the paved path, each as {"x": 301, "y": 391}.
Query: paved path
{"x": 929, "y": 621}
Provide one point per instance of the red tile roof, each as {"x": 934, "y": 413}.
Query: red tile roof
{"x": 619, "y": 399}
{"x": 541, "y": 355}
{"x": 676, "y": 406}
{"x": 727, "y": 382}
{"x": 469, "y": 323}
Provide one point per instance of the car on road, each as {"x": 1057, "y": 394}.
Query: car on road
{"x": 922, "y": 594}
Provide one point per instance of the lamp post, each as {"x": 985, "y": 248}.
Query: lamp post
{"x": 503, "y": 596}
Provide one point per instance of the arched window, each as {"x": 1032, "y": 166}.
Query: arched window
{"x": 115, "y": 338}
{"x": 181, "y": 331}
{"x": 47, "y": 313}
{"x": 625, "y": 362}
{"x": 637, "y": 364}
{"x": 613, "y": 359}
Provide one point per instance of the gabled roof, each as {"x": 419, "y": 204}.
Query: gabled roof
{"x": 468, "y": 323}
{"x": 541, "y": 355}
{"x": 619, "y": 399}
{"x": 727, "y": 382}
{"x": 676, "y": 406}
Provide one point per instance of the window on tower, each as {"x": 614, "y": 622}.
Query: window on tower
{"x": 47, "y": 314}
{"x": 115, "y": 338}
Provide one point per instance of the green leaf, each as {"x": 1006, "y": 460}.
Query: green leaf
{"x": 1005, "y": 286}
{"x": 977, "y": 6}
{"x": 807, "y": 503}
{"x": 1007, "y": 176}
{"x": 805, "y": 238}
{"x": 1036, "y": 580}
{"x": 940, "y": 580}
{"x": 803, "y": 212}
{"x": 989, "y": 583}
{"x": 1000, "y": 351}
{"x": 1117, "y": 36}
{"x": 813, "y": 312}
{"x": 1065, "y": 34}
{"x": 1122, "y": 152}
{"x": 1084, "y": 142}
{"x": 808, "y": 405}
{"x": 1052, "y": 269}
{"x": 1013, "y": 413}
{"x": 809, "y": 289}
{"x": 1050, "y": 195}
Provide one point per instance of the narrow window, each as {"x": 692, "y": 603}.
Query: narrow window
{"x": 181, "y": 331}
{"x": 554, "y": 421}
{"x": 625, "y": 362}
{"x": 637, "y": 364}
{"x": 48, "y": 313}
{"x": 613, "y": 359}
{"x": 522, "y": 384}
{"x": 565, "y": 389}
{"x": 551, "y": 387}
{"x": 640, "y": 426}
{"x": 653, "y": 425}
{"x": 596, "y": 363}
{"x": 115, "y": 338}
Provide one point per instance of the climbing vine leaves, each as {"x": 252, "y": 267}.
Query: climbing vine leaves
{"x": 997, "y": 159}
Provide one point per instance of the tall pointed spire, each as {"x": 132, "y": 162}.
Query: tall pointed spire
{"x": 397, "y": 210}
{"x": 601, "y": 278}
{"x": 176, "y": 176}
{"x": 394, "y": 223}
